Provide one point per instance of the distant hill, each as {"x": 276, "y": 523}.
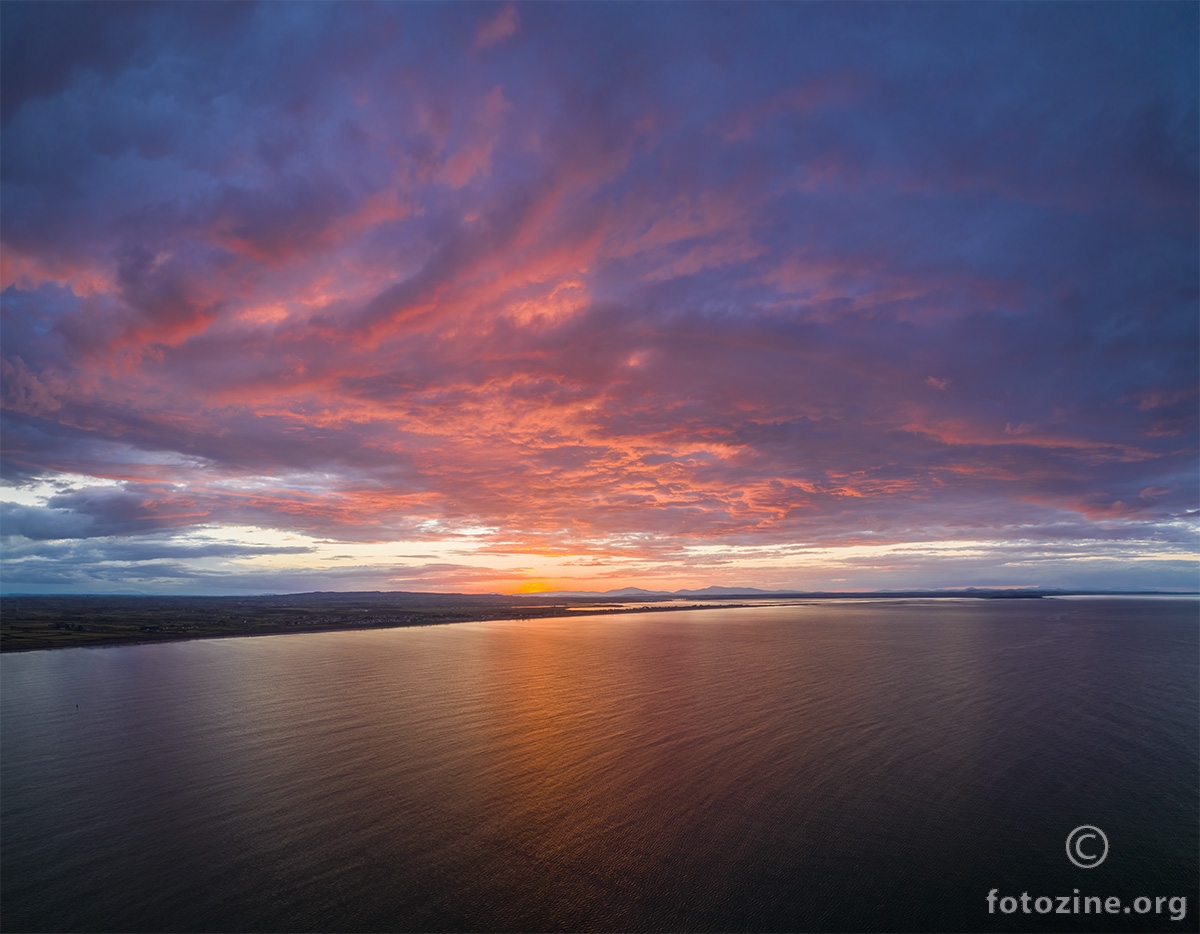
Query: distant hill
{"x": 634, "y": 593}
{"x": 722, "y": 593}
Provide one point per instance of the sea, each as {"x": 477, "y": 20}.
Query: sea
{"x": 836, "y": 765}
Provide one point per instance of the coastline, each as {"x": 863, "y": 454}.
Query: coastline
{"x": 32, "y": 623}
{"x": 99, "y": 639}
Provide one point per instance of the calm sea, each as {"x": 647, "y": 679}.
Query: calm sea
{"x": 833, "y": 766}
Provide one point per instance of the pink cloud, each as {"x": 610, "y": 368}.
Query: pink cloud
{"x": 497, "y": 28}
{"x": 840, "y": 89}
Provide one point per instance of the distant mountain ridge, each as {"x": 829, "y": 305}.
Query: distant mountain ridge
{"x": 716, "y": 592}
{"x": 635, "y": 592}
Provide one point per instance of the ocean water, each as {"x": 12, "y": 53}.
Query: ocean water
{"x": 843, "y": 766}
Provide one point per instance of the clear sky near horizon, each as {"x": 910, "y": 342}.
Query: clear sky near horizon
{"x": 495, "y": 297}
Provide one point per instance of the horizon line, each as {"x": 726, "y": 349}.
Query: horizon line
{"x": 712, "y": 592}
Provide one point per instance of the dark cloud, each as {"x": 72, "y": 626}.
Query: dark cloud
{"x": 45, "y": 45}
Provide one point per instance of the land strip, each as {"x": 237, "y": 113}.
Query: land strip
{"x": 46, "y": 622}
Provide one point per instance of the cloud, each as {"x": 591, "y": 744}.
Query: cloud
{"x": 497, "y": 28}
{"x": 783, "y": 275}
{"x": 40, "y": 524}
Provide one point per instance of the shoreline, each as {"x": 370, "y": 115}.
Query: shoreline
{"x": 34, "y": 623}
{"x": 113, "y": 640}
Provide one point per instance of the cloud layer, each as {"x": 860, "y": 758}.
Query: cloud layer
{"x": 588, "y": 294}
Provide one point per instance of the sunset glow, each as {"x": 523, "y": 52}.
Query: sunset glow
{"x": 470, "y": 297}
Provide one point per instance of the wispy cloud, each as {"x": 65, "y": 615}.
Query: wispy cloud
{"x": 497, "y": 27}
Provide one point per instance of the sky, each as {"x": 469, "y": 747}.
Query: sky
{"x": 477, "y": 297}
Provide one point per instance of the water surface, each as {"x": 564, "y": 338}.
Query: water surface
{"x": 840, "y": 765}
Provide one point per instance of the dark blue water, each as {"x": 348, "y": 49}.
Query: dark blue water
{"x": 835, "y": 766}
